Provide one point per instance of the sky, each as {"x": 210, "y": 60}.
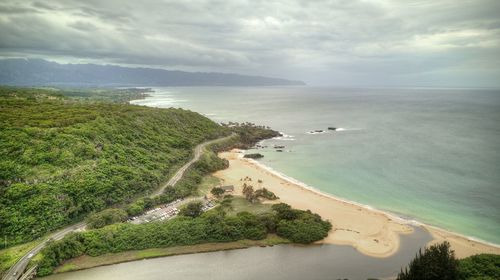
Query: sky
{"x": 438, "y": 43}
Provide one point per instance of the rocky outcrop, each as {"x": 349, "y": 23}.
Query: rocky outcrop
{"x": 254, "y": 156}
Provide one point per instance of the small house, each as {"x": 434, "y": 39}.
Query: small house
{"x": 228, "y": 188}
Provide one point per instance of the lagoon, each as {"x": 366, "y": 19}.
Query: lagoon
{"x": 274, "y": 263}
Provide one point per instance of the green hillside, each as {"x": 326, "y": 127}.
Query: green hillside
{"x": 61, "y": 157}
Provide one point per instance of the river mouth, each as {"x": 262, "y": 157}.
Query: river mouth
{"x": 323, "y": 261}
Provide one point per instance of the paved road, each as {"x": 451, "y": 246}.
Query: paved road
{"x": 198, "y": 151}
{"x": 15, "y": 271}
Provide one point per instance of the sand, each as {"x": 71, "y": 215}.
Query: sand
{"x": 372, "y": 232}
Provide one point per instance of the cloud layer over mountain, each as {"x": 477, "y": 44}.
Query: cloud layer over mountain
{"x": 344, "y": 42}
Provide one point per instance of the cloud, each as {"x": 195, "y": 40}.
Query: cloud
{"x": 359, "y": 42}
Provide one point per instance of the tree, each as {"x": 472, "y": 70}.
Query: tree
{"x": 192, "y": 209}
{"x": 249, "y": 193}
{"x": 483, "y": 266}
{"x": 265, "y": 193}
{"x": 135, "y": 209}
{"x": 285, "y": 211}
{"x": 106, "y": 217}
{"x": 217, "y": 191}
{"x": 436, "y": 263}
{"x": 301, "y": 231}
{"x": 269, "y": 220}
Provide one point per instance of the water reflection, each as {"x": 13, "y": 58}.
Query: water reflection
{"x": 278, "y": 262}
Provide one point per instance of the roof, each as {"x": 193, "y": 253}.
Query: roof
{"x": 228, "y": 188}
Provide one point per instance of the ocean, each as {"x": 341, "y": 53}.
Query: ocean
{"x": 429, "y": 155}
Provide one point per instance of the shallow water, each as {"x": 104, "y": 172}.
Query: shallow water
{"x": 425, "y": 154}
{"x": 279, "y": 262}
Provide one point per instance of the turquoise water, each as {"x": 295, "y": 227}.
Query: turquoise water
{"x": 425, "y": 154}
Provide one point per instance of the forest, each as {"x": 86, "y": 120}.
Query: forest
{"x": 212, "y": 226}
{"x": 65, "y": 154}
{"x": 438, "y": 262}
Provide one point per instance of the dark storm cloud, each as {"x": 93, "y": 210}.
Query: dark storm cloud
{"x": 356, "y": 42}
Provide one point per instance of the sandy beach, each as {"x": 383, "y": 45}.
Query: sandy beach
{"x": 372, "y": 232}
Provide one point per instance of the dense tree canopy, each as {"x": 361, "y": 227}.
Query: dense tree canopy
{"x": 106, "y": 217}
{"x": 192, "y": 209}
{"x": 479, "y": 267}
{"x": 217, "y": 191}
{"x": 211, "y": 226}
{"x": 62, "y": 158}
{"x": 300, "y": 226}
{"x": 436, "y": 263}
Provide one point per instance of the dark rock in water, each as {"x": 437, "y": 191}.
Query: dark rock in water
{"x": 332, "y": 128}
{"x": 279, "y": 150}
{"x": 279, "y": 147}
{"x": 254, "y": 156}
{"x": 319, "y": 130}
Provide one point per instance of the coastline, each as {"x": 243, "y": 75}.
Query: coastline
{"x": 371, "y": 231}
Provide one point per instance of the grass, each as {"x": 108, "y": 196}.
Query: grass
{"x": 240, "y": 204}
{"x": 207, "y": 183}
{"x": 84, "y": 262}
{"x": 9, "y": 256}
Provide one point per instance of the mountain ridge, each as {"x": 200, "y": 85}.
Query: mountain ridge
{"x": 36, "y": 72}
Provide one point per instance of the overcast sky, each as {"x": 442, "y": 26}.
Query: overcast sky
{"x": 450, "y": 43}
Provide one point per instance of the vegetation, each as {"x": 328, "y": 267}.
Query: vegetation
{"x": 217, "y": 191}
{"x": 68, "y": 153}
{"x": 248, "y": 135}
{"x": 211, "y": 226}
{"x": 248, "y": 192}
{"x": 253, "y": 196}
{"x": 266, "y": 194}
{"x": 106, "y": 217}
{"x": 9, "y": 256}
{"x": 479, "y": 267}
{"x": 208, "y": 163}
{"x": 62, "y": 158}
{"x": 438, "y": 262}
{"x": 192, "y": 209}
{"x": 233, "y": 205}
{"x": 92, "y": 95}
{"x": 84, "y": 262}
{"x": 105, "y": 94}
{"x": 207, "y": 183}
{"x": 300, "y": 226}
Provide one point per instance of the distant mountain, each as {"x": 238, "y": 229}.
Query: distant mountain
{"x": 30, "y": 72}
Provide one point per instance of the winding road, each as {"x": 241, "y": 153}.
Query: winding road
{"x": 198, "y": 151}
{"x": 17, "y": 269}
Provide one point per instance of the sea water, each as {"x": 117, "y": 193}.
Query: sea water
{"x": 426, "y": 154}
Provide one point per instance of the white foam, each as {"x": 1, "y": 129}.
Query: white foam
{"x": 284, "y": 137}
{"x": 393, "y": 216}
{"x": 347, "y": 129}
{"x": 317, "y": 132}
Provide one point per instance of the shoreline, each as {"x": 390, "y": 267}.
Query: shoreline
{"x": 394, "y": 216}
{"x": 87, "y": 262}
{"x": 371, "y": 231}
